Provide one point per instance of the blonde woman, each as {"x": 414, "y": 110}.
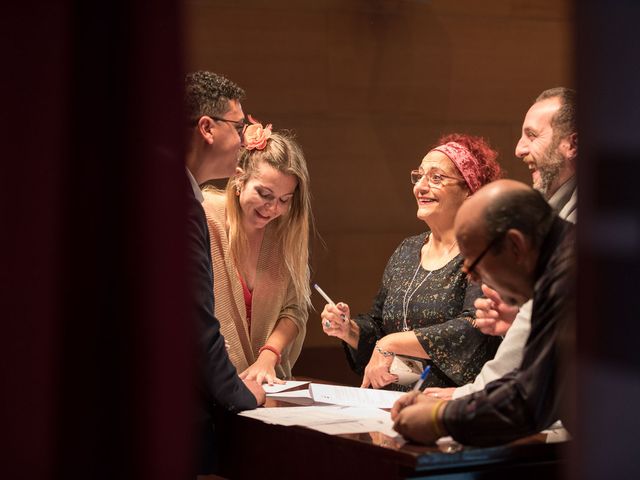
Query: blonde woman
{"x": 259, "y": 232}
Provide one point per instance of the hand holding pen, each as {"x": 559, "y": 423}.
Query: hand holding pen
{"x": 335, "y": 317}
{"x": 418, "y": 384}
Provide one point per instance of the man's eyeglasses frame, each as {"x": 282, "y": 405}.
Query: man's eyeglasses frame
{"x": 239, "y": 125}
{"x": 472, "y": 266}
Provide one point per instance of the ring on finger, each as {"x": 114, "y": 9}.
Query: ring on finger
{"x": 327, "y": 324}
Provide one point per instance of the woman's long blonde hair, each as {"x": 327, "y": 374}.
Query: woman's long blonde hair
{"x": 285, "y": 155}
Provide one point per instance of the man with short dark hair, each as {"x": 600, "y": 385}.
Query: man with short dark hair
{"x": 512, "y": 241}
{"x": 215, "y": 123}
{"x": 549, "y": 141}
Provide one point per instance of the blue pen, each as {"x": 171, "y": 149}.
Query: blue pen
{"x": 422, "y": 377}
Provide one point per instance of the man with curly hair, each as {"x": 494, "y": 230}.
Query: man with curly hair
{"x": 215, "y": 124}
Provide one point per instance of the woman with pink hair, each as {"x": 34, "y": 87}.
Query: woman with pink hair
{"x": 424, "y": 308}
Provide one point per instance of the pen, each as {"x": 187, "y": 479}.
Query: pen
{"x": 422, "y": 377}
{"x": 324, "y": 295}
{"x": 327, "y": 323}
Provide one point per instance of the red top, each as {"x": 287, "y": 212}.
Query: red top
{"x": 248, "y": 296}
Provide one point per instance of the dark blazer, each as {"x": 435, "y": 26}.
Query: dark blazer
{"x": 529, "y": 398}
{"x": 218, "y": 381}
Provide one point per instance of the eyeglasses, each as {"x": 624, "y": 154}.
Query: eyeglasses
{"x": 239, "y": 125}
{"x": 435, "y": 179}
{"x": 470, "y": 269}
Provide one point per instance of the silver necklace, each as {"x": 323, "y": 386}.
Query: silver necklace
{"x": 407, "y": 296}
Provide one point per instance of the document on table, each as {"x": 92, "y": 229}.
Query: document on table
{"x": 359, "y": 426}
{"x": 293, "y": 394}
{"x": 297, "y": 397}
{"x": 362, "y": 420}
{"x": 352, "y": 396}
{"x": 275, "y": 388}
{"x": 304, "y": 416}
{"x": 330, "y": 419}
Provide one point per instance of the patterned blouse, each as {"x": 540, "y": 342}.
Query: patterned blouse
{"x": 440, "y": 313}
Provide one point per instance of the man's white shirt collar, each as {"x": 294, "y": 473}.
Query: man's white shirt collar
{"x": 194, "y": 185}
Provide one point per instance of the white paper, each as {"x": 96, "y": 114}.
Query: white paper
{"x": 363, "y": 426}
{"x": 296, "y": 397}
{"x": 352, "y": 396}
{"x": 557, "y": 433}
{"x": 330, "y": 419}
{"x": 275, "y": 388}
{"x": 315, "y": 415}
{"x": 364, "y": 413}
{"x": 375, "y": 423}
{"x": 294, "y": 394}
{"x": 304, "y": 416}
{"x": 356, "y": 426}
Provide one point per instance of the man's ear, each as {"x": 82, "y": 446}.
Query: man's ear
{"x": 569, "y": 146}
{"x": 518, "y": 245}
{"x": 206, "y": 129}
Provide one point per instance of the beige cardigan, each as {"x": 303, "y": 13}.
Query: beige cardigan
{"x": 273, "y": 294}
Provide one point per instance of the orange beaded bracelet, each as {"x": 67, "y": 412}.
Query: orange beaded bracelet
{"x": 271, "y": 349}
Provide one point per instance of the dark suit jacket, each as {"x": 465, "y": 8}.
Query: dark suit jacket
{"x": 219, "y": 384}
{"x": 529, "y": 398}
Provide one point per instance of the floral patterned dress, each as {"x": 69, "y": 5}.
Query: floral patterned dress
{"x": 439, "y": 311}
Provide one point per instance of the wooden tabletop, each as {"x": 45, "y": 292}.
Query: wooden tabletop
{"x": 253, "y": 449}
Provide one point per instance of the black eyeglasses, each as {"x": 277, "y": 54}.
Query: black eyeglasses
{"x": 470, "y": 269}
{"x": 239, "y": 125}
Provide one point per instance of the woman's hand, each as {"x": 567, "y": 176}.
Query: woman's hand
{"x": 336, "y": 321}
{"x": 493, "y": 316}
{"x": 263, "y": 370}
{"x": 376, "y": 373}
{"x": 441, "y": 393}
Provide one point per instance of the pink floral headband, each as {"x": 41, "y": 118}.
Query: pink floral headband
{"x": 255, "y": 135}
{"x": 464, "y": 160}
